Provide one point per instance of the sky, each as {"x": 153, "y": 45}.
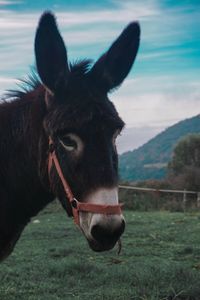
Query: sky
{"x": 163, "y": 86}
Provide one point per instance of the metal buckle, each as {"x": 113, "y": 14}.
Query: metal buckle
{"x": 74, "y": 203}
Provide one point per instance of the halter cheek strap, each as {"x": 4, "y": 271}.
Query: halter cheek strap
{"x": 75, "y": 204}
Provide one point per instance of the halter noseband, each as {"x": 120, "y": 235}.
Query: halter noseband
{"x": 75, "y": 204}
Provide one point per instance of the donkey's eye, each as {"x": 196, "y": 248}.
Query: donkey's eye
{"x": 71, "y": 142}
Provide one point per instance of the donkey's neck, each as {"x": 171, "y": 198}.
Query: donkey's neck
{"x": 22, "y": 194}
{"x": 20, "y": 134}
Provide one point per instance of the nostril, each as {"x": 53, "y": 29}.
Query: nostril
{"x": 107, "y": 234}
{"x": 98, "y": 232}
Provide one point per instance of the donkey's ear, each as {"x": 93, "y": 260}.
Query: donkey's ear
{"x": 50, "y": 52}
{"x": 112, "y": 67}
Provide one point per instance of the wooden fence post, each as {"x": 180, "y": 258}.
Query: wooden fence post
{"x": 184, "y": 200}
{"x": 157, "y": 191}
{"x": 198, "y": 200}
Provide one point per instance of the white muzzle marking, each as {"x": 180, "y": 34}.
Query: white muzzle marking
{"x": 88, "y": 220}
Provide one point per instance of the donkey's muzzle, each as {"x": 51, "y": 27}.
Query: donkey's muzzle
{"x": 105, "y": 238}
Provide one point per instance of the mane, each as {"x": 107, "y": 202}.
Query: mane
{"x": 80, "y": 67}
{"x": 26, "y": 85}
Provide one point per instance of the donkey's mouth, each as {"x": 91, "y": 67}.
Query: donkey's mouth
{"x": 100, "y": 247}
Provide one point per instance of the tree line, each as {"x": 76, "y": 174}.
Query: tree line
{"x": 184, "y": 167}
{"x": 183, "y": 173}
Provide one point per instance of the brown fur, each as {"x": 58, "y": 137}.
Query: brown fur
{"x": 78, "y": 104}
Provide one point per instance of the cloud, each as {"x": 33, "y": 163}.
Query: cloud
{"x": 6, "y": 80}
{"x": 163, "y": 86}
{"x": 6, "y": 83}
{"x": 7, "y": 2}
{"x": 125, "y": 13}
{"x": 120, "y": 14}
{"x": 132, "y": 138}
{"x": 157, "y": 109}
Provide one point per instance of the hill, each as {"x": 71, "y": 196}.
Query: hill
{"x": 151, "y": 159}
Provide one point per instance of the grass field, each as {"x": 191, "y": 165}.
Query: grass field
{"x": 160, "y": 259}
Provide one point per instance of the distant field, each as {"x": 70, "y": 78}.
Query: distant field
{"x": 160, "y": 259}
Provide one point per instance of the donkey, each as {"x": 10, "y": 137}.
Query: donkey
{"x": 58, "y": 140}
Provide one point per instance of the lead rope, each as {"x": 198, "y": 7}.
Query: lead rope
{"x": 119, "y": 246}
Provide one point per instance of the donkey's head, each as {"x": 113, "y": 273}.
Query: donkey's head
{"x": 84, "y": 124}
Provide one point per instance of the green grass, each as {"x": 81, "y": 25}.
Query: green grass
{"x": 160, "y": 259}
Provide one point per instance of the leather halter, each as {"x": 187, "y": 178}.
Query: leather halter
{"x": 75, "y": 204}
